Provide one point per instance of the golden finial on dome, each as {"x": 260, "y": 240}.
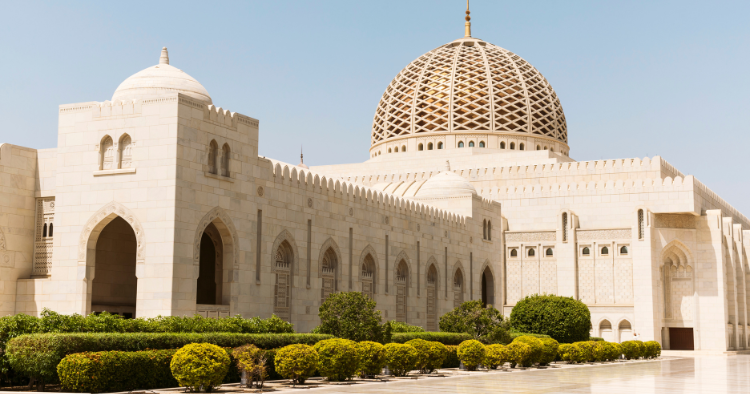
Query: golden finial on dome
{"x": 468, "y": 21}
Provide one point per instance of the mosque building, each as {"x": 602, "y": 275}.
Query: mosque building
{"x": 156, "y": 202}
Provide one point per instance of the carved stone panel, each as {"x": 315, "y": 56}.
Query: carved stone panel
{"x": 593, "y": 235}
{"x": 664, "y": 220}
{"x": 530, "y": 236}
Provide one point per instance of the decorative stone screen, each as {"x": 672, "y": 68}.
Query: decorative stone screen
{"x": 45, "y": 218}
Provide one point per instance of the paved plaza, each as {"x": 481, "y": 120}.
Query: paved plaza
{"x": 705, "y": 374}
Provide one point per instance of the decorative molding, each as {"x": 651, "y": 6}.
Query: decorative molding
{"x": 592, "y": 235}
{"x": 530, "y": 236}
{"x": 115, "y": 172}
{"x": 96, "y": 223}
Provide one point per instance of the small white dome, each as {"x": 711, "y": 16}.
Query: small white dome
{"x": 446, "y": 185}
{"x": 159, "y": 79}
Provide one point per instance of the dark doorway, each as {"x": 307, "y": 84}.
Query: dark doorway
{"x": 681, "y": 338}
{"x": 115, "y": 284}
{"x": 207, "y": 272}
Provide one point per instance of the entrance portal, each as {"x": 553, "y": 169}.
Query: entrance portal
{"x": 114, "y": 285}
{"x": 488, "y": 287}
{"x": 681, "y": 338}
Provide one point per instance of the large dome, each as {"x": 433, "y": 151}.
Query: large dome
{"x": 159, "y": 79}
{"x": 469, "y": 87}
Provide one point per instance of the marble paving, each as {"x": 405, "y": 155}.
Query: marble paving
{"x": 705, "y": 374}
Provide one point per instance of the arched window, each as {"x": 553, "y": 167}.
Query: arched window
{"x": 513, "y": 145}
{"x": 471, "y": 144}
{"x": 328, "y": 272}
{"x": 531, "y": 252}
{"x": 481, "y": 144}
{"x": 458, "y": 289}
{"x": 641, "y": 227}
{"x": 565, "y": 226}
{"x": 402, "y": 279}
{"x": 420, "y": 147}
{"x": 489, "y": 230}
{"x": 126, "y": 157}
{"x": 440, "y": 145}
{"x": 213, "y": 153}
{"x": 460, "y": 144}
{"x": 390, "y": 150}
{"x": 586, "y": 251}
{"x": 484, "y": 229}
{"x": 282, "y": 287}
{"x": 513, "y": 253}
{"x": 551, "y": 149}
{"x": 403, "y": 148}
{"x": 605, "y": 251}
{"x": 225, "y": 155}
{"x": 624, "y": 250}
{"x": 44, "y": 232}
{"x": 395, "y": 150}
{"x": 502, "y": 144}
{"x": 106, "y": 153}
{"x": 549, "y": 252}
{"x": 545, "y": 148}
{"x": 429, "y": 146}
{"x": 520, "y": 147}
{"x": 368, "y": 276}
{"x": 51, "y": 229}
{"x": 538, "y": 147}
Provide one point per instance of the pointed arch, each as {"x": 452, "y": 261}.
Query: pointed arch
{"x": 106, "y": 153}
{"x": 368, "y": 270}
{"x": 285, "y": 235}
{"x": 229, "y": 237}
{"x": 402, "y": 256}
{"x": 226, "y": 153}
{"x": 213, "y": 153}
{"x": 488, "y": 283}
{"x": 458, "y": 280}
{"x": 329, "y": 268}
{"x": 125, "y": 152}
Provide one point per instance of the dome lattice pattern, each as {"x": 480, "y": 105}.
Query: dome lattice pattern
{"x": 469, "y": 86}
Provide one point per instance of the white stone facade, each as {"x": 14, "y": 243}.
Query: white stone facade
{"x": 157, "y": 203}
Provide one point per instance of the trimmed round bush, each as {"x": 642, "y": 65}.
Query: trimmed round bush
{"x": 495, "y": 355}
{"x": 401, "y": 358}
{"x": 253, "y": 361}
{"x": 200, "y": 366}
{"x": 549, "y": 350}
{"x": 371, "y": 357}
{"x": 599, "y": 351}
{"x": 566, "y": 352}
{"x": 519, "y": 353}
{"x": 296, "y": 362}
{"x": 616, "y": 350}
{"x": 338, "y": 359}
{"x": 583, "y": 352}
{"x": 452, "y": 361}
{"x": 631, "y": 350}
{"x": 537, "y": 348}
{"x": 653, "y": 349}
{"x": 430, "y": 355}
{"x": 565, "y": 319}
{"x": 471, "y": 353}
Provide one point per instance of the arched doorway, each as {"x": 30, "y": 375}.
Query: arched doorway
{"x": 368, "y": 276}
{"x": 605, "y": 330}
{"x": 458, "y": 288}
{"x": 678, "y": 296}
{"x": 488, "y": 287}
{"x": 328, "y": 268}
{"x": 432, "y": 281}
{"x": 210, "y": 272}
{"x": 624, "y": 331}
{"x": 114, "y": 287}
{"x": 402, "y": 279}
{"x": 282, "y": 287}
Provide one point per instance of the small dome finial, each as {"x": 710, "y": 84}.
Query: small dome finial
{"x": 447, "y": 165}
{"x": 467, "y": 32}
{"x": 301, "y": 159}
{"x": 164, "y": 58}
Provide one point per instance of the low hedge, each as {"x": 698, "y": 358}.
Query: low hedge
{"x": 37, "y": 355}
{"x": 514, "y": 335}
{"x": 446, "y": 338}
{"x": 116, "y": 371}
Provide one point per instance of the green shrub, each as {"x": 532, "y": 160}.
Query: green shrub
{"x": 472, "y": 317}
{"x": 495, "y": 356}
{"x": 471, "y": 353}
{"x": 37, "y": 355}
{"x": 397, "y": 326}
{"x": 563, "y": 318}
{"x": 599, "y": 351}
{"x": 631, "y": 350}
{"x": 400, "y": 358}
{"x": 583, "y": 352}
{"x": 566, "y": 352}
{"x": 615, "y": 350}
{"x": 338, "y": 360}
{"x": 200, "y": 366}
{"x": 549, "y": 350}
{"x": 253, "y": 362}
{"x": 537, "y": 348}
{"x": 514, "y": 335}
{"x": 350, "y": 315}
{"x": 371, "y": 357}
{"x": 653, "y": 349}
{"x": 451, "y": 360}
{"x": 296, "y": 362}
{"x": 519, "y": 353}
{"x": 596, "y": 339}
{"x": 446, "y": 338}
{"x": 430, "y": 355}
{"x": 116, "y": 371}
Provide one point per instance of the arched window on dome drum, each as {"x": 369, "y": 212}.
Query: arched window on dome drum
{"x": 403, "y": 148}
{"x": 538, "y": 147}
{"x": 551, "y": 149}
{"x": 513, "y": 253}
{"x": 440, "y": 145}
{"x": 513, "y": 145}
{"x": 489, "y": 230}
{"x": 502, "y": 145}
{"x": 520, "y": 147}
{"x": 531, "y": 252}
{"x": 460, "y": 144}
{"x": 624, "y": 250}
{"x": 126, "y": 157}
{"x": 549, "y": 252}
{"x": 471, "y": 144}
{"x": 389, "y": 150}
{"x": 605, "y": 251}
{"x": 420, "y": 147}
{"x": 429, "y": 146}
{"x": 481, "y": 144}
{"x": 586, "y": 251}
{"x": 395, "y": 149}
{"x": 545, "y": 148}
{"x": 106, "y": 153}
{"x": 213, "y": 153}
{"x": 225, "y": 155}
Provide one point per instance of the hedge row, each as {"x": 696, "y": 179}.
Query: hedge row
{"x": 37, "y": 355}
{"x": 514, "y": 335}
{"x": 446, "y": 338}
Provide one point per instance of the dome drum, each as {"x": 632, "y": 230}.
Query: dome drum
{"x": 469, "y": 87}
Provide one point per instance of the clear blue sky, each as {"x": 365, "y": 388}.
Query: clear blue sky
{"x": 635, "y": 78}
